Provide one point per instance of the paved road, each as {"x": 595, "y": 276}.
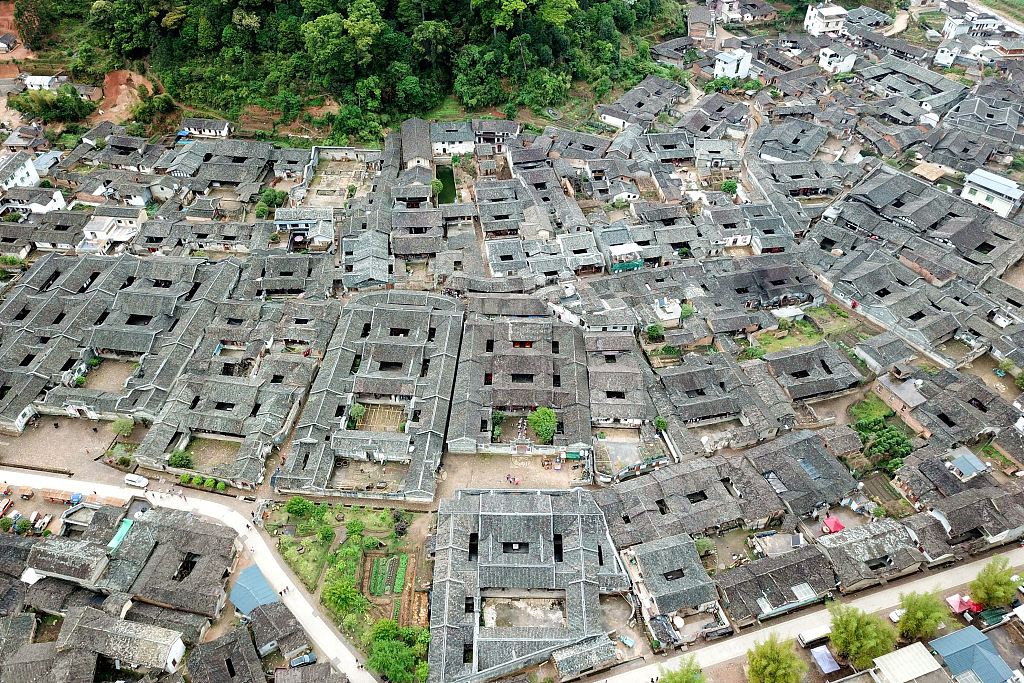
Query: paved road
{"x": 731, "y": 648}
{"x": 323, "y": 636}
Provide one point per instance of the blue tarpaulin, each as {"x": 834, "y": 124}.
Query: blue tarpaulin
{"x": 252, "y": 590}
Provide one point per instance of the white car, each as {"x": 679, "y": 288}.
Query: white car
{"x": 136, "y": 480}
{"x": 896, "y": 615}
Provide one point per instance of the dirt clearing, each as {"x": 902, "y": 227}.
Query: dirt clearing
{"x": 120, "y": 94}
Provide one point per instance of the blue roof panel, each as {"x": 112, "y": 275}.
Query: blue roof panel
{"x": 252, "y": 590}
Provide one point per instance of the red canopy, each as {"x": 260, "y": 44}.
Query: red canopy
{"x": 832, "y": 524}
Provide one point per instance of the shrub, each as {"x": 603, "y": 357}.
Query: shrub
{"x": 655, "y": 333}
{"x": 299, "y": 506}
{"x": 685, "y": 311}
{"x": 197, "y": 480}
{"x": 221, "y": 486}
{"x": 729, "y": 186}
{"x": 185, "y": 478}
{"x": 210, "y": 482}
{"x": 660, "y": 423}
{"x": 180, "y": 458}
{"x": 80, "y": 381}
{"x": 122, "y": 426}
{"x": 6, "y": 523}
{"x": 124, "y": 461}
{"x": 22, "y": 526}
{"x": 751, "y": 353}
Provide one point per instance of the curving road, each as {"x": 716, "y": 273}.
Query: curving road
{"x": 322, "y": 635}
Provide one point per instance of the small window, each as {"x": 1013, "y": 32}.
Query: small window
{"x": 489, "y": 346}
{"x": 615, "y": 395}
{"x": 522, "y": 378}
{"x": 556, "y": 381}
{"x": 224, "y": 405}
{"x": 554, "y": 347}
{"x": 277, "y": 379}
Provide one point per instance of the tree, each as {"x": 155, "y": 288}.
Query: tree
{"x": 923, "y": 612}
{"x": 660, "y": 423}
{"x": 994, "y": 587}
{"x": 687, "y": 672}
{"x": 686, "y": 311}
{"x": 436, "y": 187}
{"x": 543, "y": 422}
{"x": 729, "y": 186}
{"x": 356, "y": 413}
{"x": 771, "y": 661}
{"x": 180, "y": 458}
{"x": 33, "y": 19}
{"x": 122, "y": 426}
{"x": 393, "y": 659}
{"x": 6, "y": 523}
{"x": 859, "y": 636}
{"x": 61, "y": 105}
{"x": 655, "y": 333}
{"x": 22, "y": 526}
{"x": 342, "y": 596}
{"x": 298, "y": 506}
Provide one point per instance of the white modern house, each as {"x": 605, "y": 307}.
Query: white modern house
{"x": 999, "y": 195}
{"x": 825, "y": 19}
{"x": 17, "y": 170}
{"x": 732, "y": 64}
{"x": 836, "y": 59}
{"x": 978, "y": 24}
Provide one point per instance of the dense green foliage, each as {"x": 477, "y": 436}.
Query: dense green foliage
{"x": 923, "y": 613}
{"x": 994, "y": 585}
{"x": 772, "y": 661}
{"x": 397, "y": 652}
{"x": 687, "y": 672}
{"x": 380, "y": 59}
{"x": 51, "y": 106}
{"x": 884, "y": 444}
{"x": 860, "y": 637}
{"x": 544, "y": 423}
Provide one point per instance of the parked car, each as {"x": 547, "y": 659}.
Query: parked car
{"x": 136, "y": 480}
{"x": 304, "y": 660}
{"x": 896, "y": 615}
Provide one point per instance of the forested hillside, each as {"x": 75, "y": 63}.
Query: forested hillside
{"x": 379, "y": 59}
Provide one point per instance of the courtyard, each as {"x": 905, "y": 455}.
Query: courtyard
{"x": 486, "y": 471}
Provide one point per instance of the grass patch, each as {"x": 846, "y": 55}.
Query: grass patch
{"x": 870, "y": 408}
{"x": 987, "y": 450}
{"x": 799, "y": 333}
{"x": 306, "y": 556}
{"x": 448, "y": 110}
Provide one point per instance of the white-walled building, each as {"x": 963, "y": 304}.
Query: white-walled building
{"x": 837, "y": 59}
{"x": 41, "y": 82}
{"x": 1000, "y": 195}
{"x": 732, "y": 64}
{"x": 825, "y": 19}
{"x": 971, "y": 24}
{"x": 17, "y": 170}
